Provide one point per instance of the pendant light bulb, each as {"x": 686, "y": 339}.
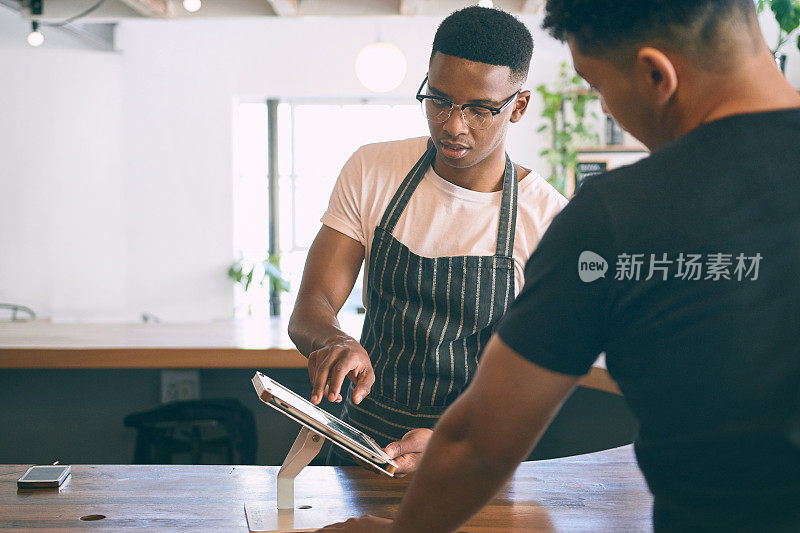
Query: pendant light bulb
{"x": 381, "y": 67}
{"x": 35, "y": 37}
{"x": 192, "y": 6}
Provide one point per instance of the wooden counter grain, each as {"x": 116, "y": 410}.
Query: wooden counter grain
{"x": 602, "y": 492}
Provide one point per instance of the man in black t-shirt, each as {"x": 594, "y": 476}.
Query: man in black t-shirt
{"x": 683, "y": 268}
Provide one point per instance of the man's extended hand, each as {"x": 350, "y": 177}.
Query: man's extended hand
{"x": 407, "y": 452}
{"x": 328, "y": 366}
{"x": 365, "y": 524}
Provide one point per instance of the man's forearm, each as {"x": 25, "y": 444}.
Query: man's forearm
{"x": 481, "y": 439}
{"x": 313, "y": 325}
{"x": 456, "y": 478}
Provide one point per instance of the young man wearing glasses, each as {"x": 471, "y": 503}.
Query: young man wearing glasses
{"x": 445, "y": 224}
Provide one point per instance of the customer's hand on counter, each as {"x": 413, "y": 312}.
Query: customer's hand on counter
{"x": 365, "y": 524}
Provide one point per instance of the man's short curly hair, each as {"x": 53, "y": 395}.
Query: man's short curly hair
{"x": 487, "y": 36}
{"x": 600, "y": 26}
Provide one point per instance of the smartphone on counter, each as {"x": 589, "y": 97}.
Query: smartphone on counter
{"x": 44, "y": 476}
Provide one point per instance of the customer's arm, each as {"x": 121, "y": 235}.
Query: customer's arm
{"x": 477, "y": 444}
{"x": 481, "y": 439}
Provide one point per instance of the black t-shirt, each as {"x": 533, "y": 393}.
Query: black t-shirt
{"x": 698, "y": 312}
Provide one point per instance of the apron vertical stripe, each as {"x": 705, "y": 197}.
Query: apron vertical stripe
{"x": 477, "y": 311}
{"x": 427, "y": 340}
{"x": 387, "y": 309}
{"x": 401, "y": 356}
{"x": 444, "y": 330}
{"x": 414, "y": 332}
{"x": 458, "y": 331}
{"x": 491, "y": 296}
{"x": 389, "y": 350}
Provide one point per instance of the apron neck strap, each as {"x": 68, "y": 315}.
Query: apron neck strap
{"x": 508, "y": 212}
{"x": 508, "y": 207}
{"x": 406, "y": 189}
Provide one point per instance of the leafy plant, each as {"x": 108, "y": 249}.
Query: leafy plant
{"x": 267, "y": 270}
{"x": 787, "y": 14}
{"x": 567, "y": 123}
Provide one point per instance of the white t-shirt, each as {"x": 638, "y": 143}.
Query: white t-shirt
{"x": 441, "y": 219}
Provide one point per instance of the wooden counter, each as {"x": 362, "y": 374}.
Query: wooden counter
{"x": 221, "y": 344}
{"x": 601, "y": 492}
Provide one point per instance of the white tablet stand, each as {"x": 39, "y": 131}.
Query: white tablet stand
{"x": 306, "y": 446}
{"x": 284, "y": 517}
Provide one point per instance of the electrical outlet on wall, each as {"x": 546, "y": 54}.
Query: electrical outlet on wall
{"x": 180, "y": 385}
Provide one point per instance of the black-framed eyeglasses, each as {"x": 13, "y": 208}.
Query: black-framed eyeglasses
{"x": 477, "y": 116}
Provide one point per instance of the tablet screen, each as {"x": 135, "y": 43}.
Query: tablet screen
{"x": 45, "y": 473}
{"x": 321, "y": 416}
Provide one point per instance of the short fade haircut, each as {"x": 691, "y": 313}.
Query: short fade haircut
{"x": 489, "y": 36}
{"x": 600, "y": 27}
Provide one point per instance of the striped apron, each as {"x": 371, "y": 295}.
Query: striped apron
{"x": 427, "y": 319}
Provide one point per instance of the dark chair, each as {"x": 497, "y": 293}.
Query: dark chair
{"x": 221, "y": 431}
{"x": 16, "y": 309}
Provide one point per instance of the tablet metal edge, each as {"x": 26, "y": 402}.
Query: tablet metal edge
{"x": 266, "y": 397}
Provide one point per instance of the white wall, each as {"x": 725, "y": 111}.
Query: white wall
{"x": 62, "y": 209}
{"x": 116, "y": 189}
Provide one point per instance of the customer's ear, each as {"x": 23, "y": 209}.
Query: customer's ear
{"x": 655, "y": 74}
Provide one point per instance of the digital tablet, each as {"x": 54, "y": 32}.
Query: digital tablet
{"x": 342, "y": 434}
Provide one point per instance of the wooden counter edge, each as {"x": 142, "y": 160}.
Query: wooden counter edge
{"x": 159, "y": 358}
{"x": 143, "y": 358}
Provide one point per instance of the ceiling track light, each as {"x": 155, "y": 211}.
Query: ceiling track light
{"x": 36, "y": 7}
{"x": 35, "y": 37}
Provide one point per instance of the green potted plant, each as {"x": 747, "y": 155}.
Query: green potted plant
{"x": 787, "y": 15}
{"x": 567, "y": 124}
{"x": 265, "y": 271}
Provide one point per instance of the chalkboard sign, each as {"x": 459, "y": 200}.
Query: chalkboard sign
{"x": 588, "y": 168}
